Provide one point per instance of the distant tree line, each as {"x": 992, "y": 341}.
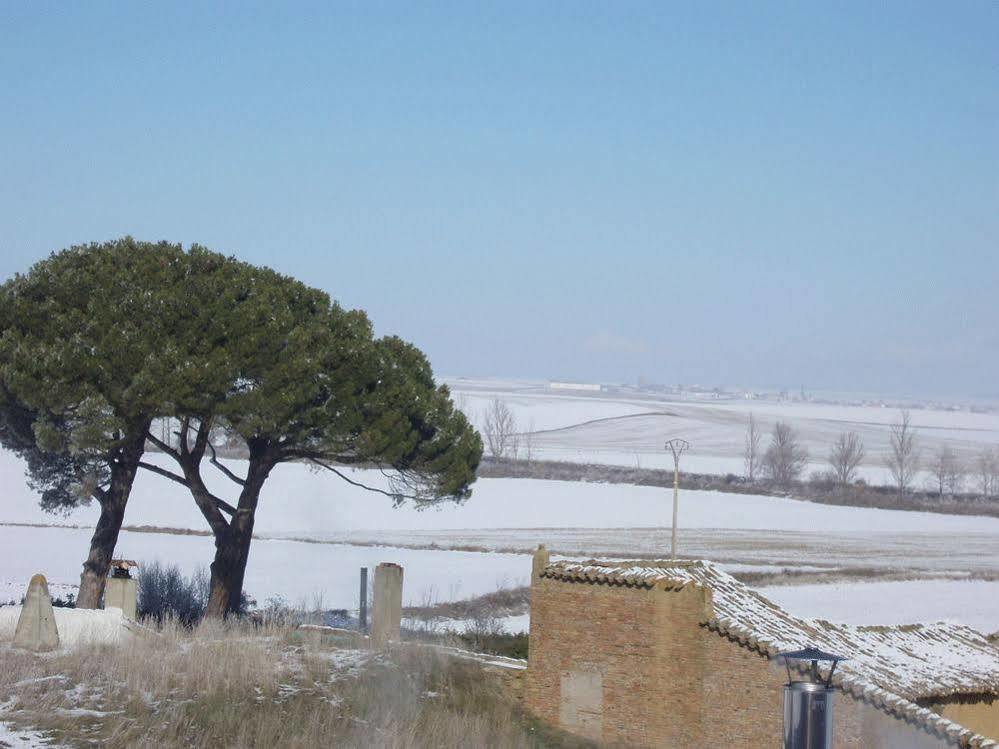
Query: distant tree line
{"x": 779, "y": 458}
{"x": 783, "y": 460}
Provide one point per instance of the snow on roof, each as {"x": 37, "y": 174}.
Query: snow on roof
{"x": 889, "y": 666}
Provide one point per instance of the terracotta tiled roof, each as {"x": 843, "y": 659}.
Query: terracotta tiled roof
{"x": 889, "y": 667}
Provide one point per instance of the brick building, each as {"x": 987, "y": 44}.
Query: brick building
{"x": 680, "y": 654}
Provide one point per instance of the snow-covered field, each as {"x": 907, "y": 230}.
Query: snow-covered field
{"x": 302, "y": 573}
{"x": 315, "y": 531}
{"x": 630, "y": 429}
{"x": 310, "y": 504}
{"x": 971, "y": 602}
{"x": 507, "y": 624}
{"x": 922, "y": 554}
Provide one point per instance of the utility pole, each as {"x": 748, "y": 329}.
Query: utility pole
{"x": 678, "y": 447}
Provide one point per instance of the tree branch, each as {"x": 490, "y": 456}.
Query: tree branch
{"x": 163, "y": 446}
{"x": 315, "y": 455}
{"x": 220, "y": 503}
{"x": 164, "y": 473}
{"x": 394, "y": 496}
{"x": 185, "y": 424}
{"x": 201, "y": 438}
{"x": 100, "y": 495}
{"x": 224, "y": 506}
{"x": 215, "y": 462}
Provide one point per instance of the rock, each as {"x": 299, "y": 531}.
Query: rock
{"x": 36, "y": 627}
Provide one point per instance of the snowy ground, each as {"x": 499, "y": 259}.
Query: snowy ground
{"x": 968, "y": 602}
{"x": 75, "y": 626}
{"x": 922, "y": 554}
{"x": 297, "y": 500}
{"x": 316, "y": 531}
{"x": 17, "y": 738}
{"x": 303, "y": 573}
{"x": 630, "y": 429}
{"x": 515, "y": 624}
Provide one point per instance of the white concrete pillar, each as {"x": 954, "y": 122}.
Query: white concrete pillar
{"x": 122, "y": 593}
{"x": 538, "y": 563}
{"x": 386, "y": 607}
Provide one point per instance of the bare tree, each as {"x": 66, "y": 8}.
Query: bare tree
{"x": 785, "y": 458}
{"x": 903, "y": 454}
{"x": 947, "y": 471}
{"x": 957, "y": 477}
{"x": 845, "y": 457}
{"x": 529, "y": 442}
{"x": 987, "y": 471}
{"x": 500, "y": 429}
{"x": 751, "y": 451}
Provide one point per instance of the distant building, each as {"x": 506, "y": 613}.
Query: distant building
{"x": 588, "y": 387}
{"x": 681, "y": 654}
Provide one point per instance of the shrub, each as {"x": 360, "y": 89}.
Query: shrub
{"x": 825, "y": 480}
{"x": 497, "y": 643}
{"x": 165, "y": 592}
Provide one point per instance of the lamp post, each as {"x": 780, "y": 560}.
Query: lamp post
{"x": 677, "y": 447}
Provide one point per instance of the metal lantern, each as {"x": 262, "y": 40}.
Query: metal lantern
{"x": 808, "y": 703}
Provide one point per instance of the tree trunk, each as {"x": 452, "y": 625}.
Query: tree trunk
{"x": 232, "y": 547}
{"x": 232, "y": 552}
{"x": 105, "y": 538}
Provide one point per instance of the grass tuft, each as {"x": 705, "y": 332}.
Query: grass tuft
{"x": 233, "y": 684}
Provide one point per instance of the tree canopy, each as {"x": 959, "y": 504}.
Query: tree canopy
{"x": 97, "y": 342}
{"x": 83, "y": 372}
{"x": 295, "y": 377}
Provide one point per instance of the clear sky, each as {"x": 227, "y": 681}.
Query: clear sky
{"x": 723, "y": 193}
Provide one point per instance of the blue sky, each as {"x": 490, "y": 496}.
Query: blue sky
{"x": 724, "y": 193}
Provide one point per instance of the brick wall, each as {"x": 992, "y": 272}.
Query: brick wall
{"x": 742, "y": 695}
{"x": 575, "y": 627}
{"x": 634, "y": 666}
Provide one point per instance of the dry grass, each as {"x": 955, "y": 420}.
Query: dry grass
{"x": 500, "y": 602}
{"x": 235, "y": 686}
{"x": 791, "y": 576}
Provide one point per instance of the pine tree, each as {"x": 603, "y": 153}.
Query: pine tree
{"x": 82, "y": 375}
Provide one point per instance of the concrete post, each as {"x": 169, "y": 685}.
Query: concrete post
{"x": 122, "y": 593}
{"x": 362, "y": 608}
{"x": 36, "y": 626}
{"x": 538, "y": 564}
{"x": 386, "y": 608}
